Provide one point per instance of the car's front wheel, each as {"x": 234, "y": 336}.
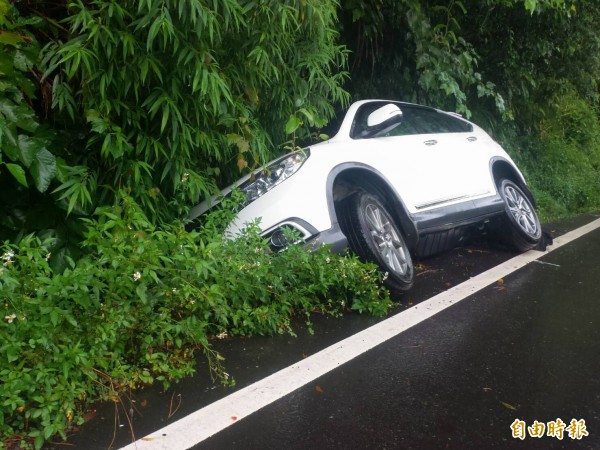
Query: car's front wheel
{"x": 522, "y": 229}
{"x": 374, "y": 236}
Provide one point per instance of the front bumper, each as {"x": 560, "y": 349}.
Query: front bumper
{"x": 278, "y": 239}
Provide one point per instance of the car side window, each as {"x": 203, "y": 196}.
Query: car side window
{"x": 431, "y": 121}
{"x": 415, "y": 120}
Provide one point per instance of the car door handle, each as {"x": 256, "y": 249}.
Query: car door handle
{"x": 471, "y": 139}
{"x": 430, "y": 142}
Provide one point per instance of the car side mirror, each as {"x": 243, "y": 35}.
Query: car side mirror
{"x": 383, "y": 119}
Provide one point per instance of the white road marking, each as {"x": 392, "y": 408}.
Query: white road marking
{"x": 546, "y": 263}
{"x": 211, "y": 419}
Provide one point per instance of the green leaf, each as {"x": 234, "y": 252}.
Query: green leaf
{"x": 62, "y": 170}
{"x": 12, "y": 354}
{"x": 8, "y": 109}
{"x": 308, "y": 115}
{"x": 292, "y": 124}
{"x": 28, "y": 149}
{"x": 4, "y": 7}
{"x": 17, "y": 172}
{"x": 8, "y": 141}
{"x": 141, "y": 292}
{"x": 530, "y": 5}
{"x": 43, "y": 169}
{"x": 54, "y": 317}
{"x": 165, "y": 117}
{"x": 20, "y": 115}
{"x": 242, "y": 144}
{"x": 152, "y": 32}
{"x": 8, "y": 38}
{"x": 22, "y": 61}
{"x": 72, "y": 320}
{"x": 99, "y": 124}
{"x": 39, "y": 441}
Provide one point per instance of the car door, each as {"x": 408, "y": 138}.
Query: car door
{"x": 471, "y": 168}
{"x": 429, "y": 157}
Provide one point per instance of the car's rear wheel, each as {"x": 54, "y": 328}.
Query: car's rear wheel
{"x": 374, "y": 236}
{"x": 522, "y": 229}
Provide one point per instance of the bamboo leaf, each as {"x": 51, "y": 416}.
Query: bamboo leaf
{"x": 165, "y": 117}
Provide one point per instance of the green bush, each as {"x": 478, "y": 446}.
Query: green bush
{"x": 141, "y": 302}
{"x": 562, "y": 162}
{"x": 155, "y": 91}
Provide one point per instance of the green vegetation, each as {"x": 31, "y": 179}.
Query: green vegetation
{"x": 117, "y": 116}
{"x": 562, "y": 159}
{"x": 141, "y": 302}
{"x": 138, "y": 96}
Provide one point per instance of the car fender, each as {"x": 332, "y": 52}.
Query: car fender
{"x": 505, "y": 167}
{"x": 382, "y": 187}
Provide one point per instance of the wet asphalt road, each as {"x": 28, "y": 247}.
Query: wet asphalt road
{"x": 526, "y": 348}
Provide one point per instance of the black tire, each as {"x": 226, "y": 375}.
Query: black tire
{"x": 374, "y": 236}
{"x": 521, "y": 228}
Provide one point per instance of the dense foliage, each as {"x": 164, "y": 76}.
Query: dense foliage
{"x": 157, "y": 99}
{"x": 117, "y": 116}
{"x": 141, "y": 302}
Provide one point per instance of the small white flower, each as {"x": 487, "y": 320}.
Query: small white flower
{"x": 226, "y": 375}
{"x": 222, "y": 335}
{"x": 328, "y": 260}
{"x": 8, "y": 258}
{"x": 137, "y": 276}
{"x": 47, "y": 258}
{"x": 385, "y": 276}
{"x": 10, "y": 318}
{"x": 185, "y": 177}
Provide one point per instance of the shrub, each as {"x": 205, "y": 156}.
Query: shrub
{"x": 562, "y": 163}
{"x": 141, "y": 302}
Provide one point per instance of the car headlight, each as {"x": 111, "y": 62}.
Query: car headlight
{"x": 274, "y": 174}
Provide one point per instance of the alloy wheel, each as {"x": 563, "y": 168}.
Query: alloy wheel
{"x": 521, "y": 210}
{"x": 388, "y": 242}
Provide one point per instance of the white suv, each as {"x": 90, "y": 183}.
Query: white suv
{"x": 397, "y": 179}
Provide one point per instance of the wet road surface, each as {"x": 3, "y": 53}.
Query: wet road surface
{"x": 525, "y": 348}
